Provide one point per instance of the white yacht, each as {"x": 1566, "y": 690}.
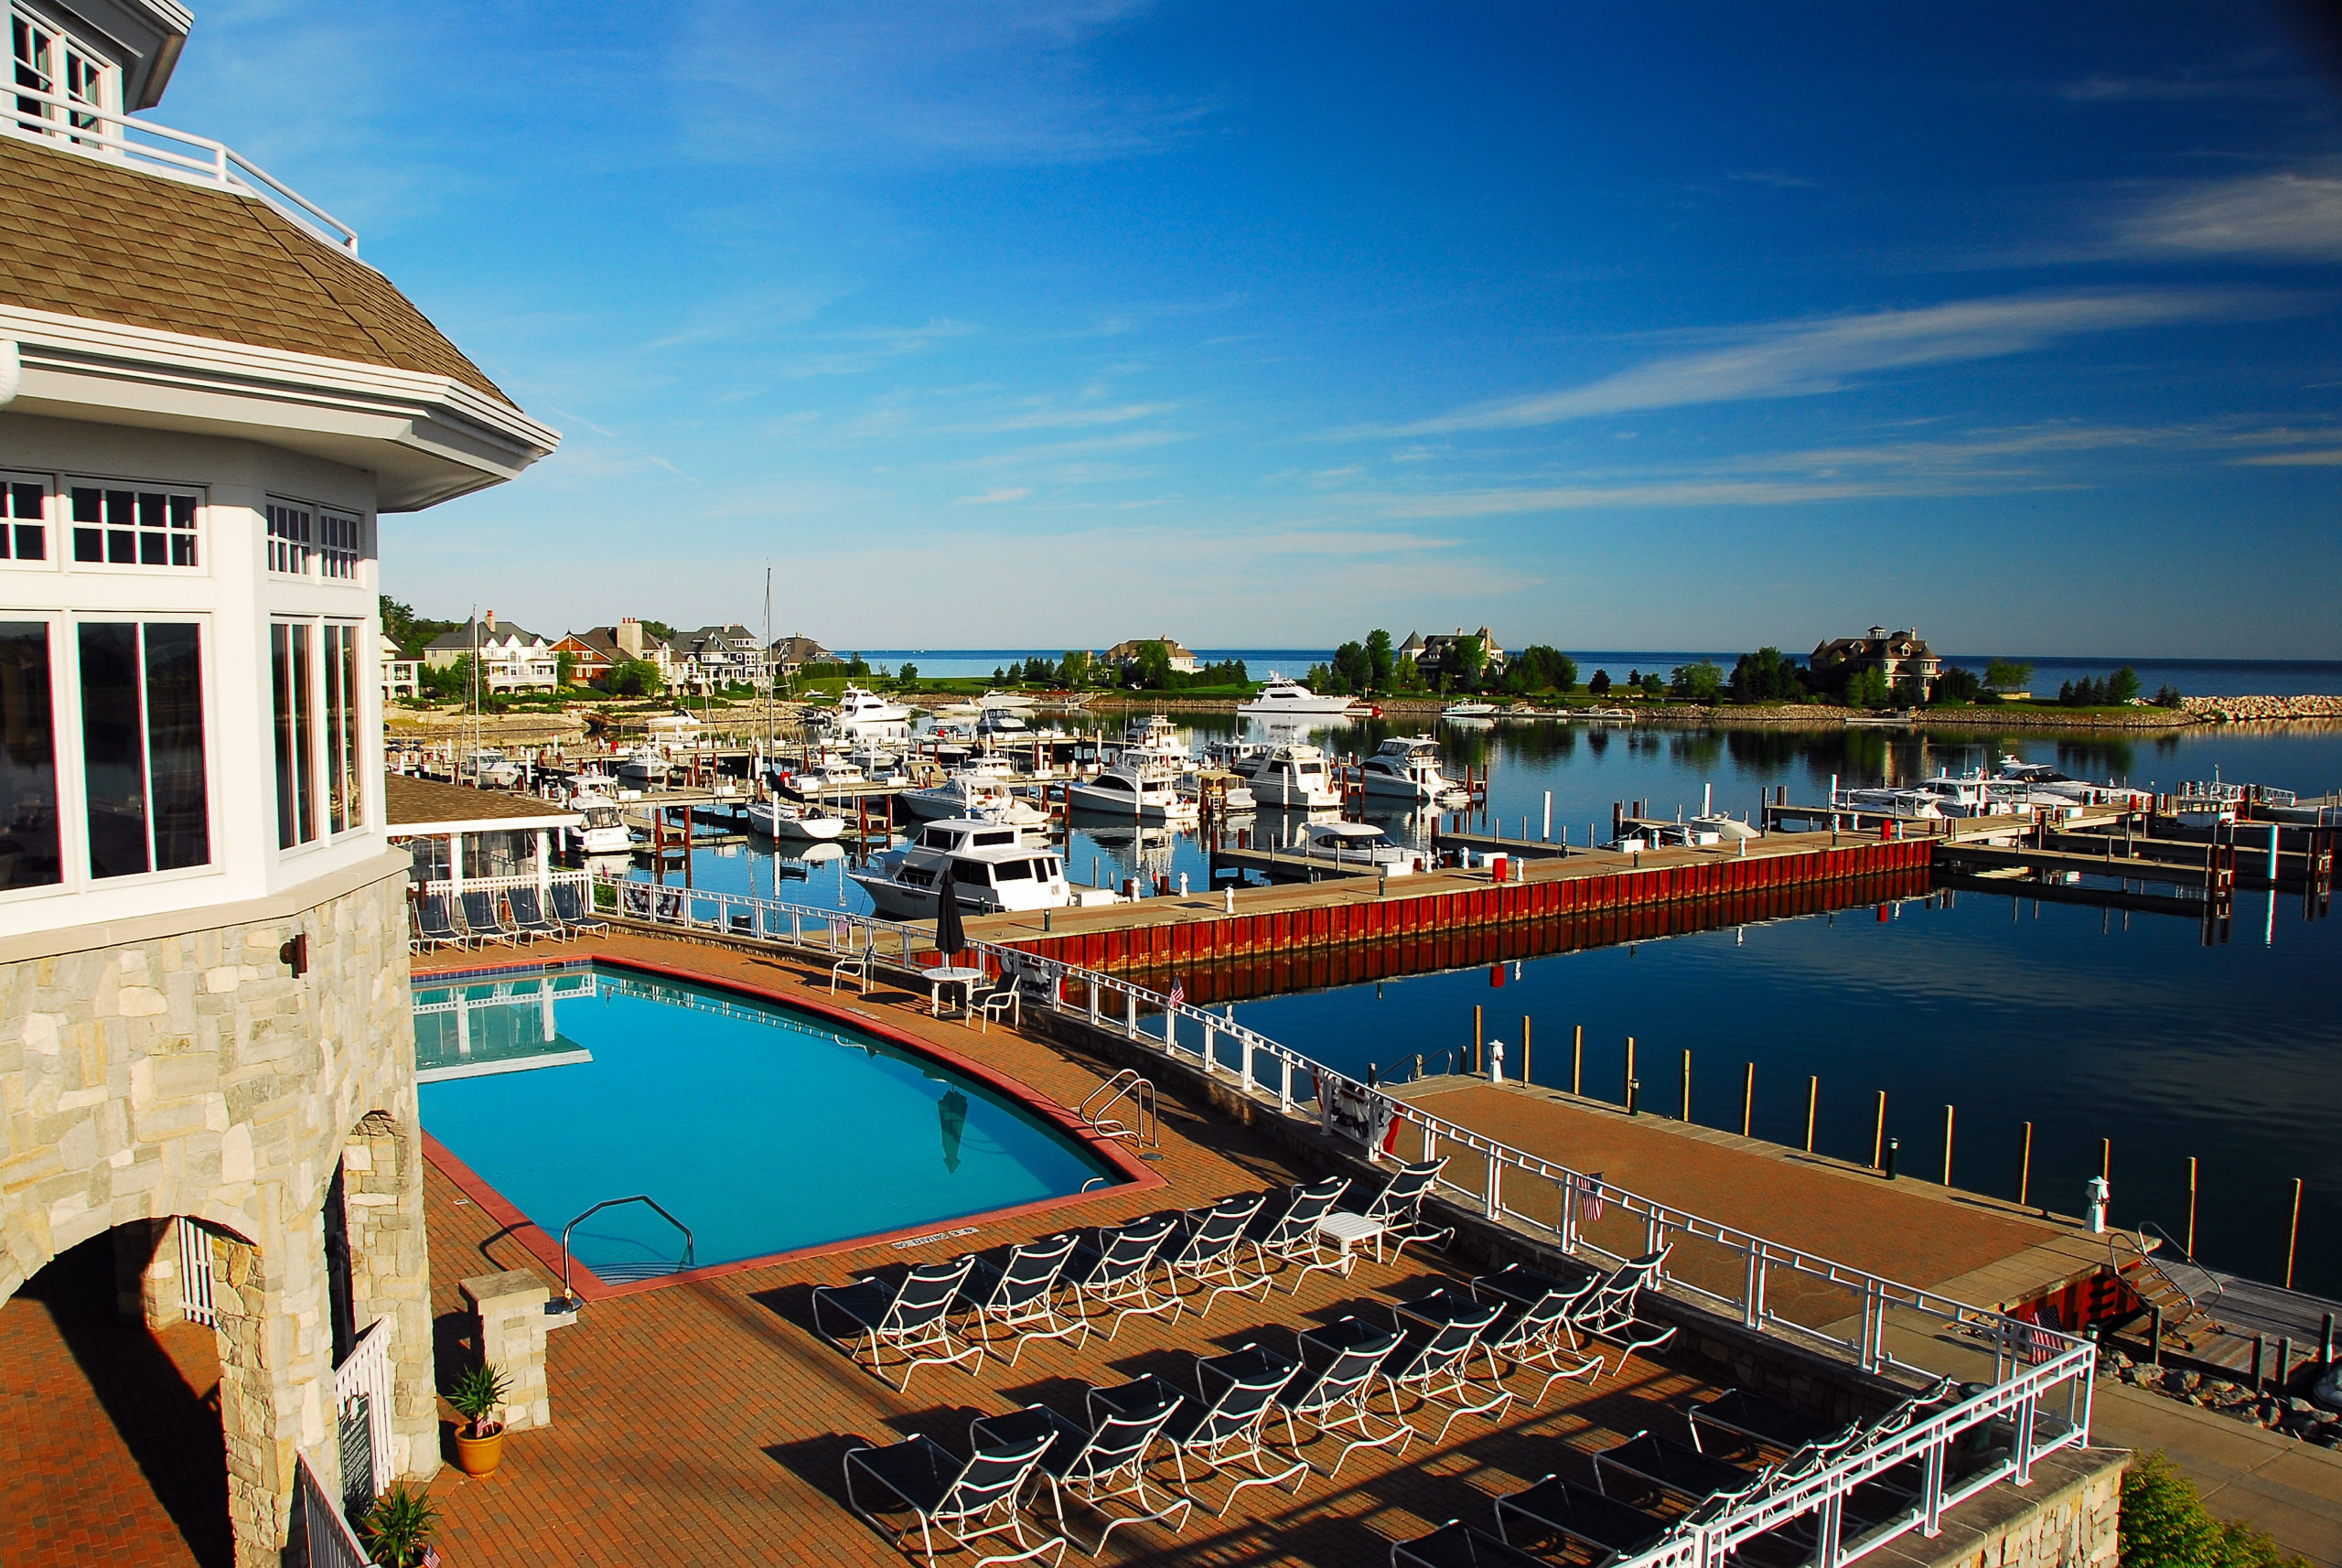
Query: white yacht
{"x": 993, "y": 868}
{"x": 970, "y": 796}
{"x": 779, "y": 819}
{"x": 599, "y": 828}
{"x": 489, "y": 769}
{"x": 1154, "y": 737}
{"x": 1133, "y": 792}
{"x": 1407, "y": 767}
{"x": 827, "y": 773}
{"x": 879, "y": 767}
{"x": 1003, "y": 722}
{"x": 645, "y": 767}
{"x": 1469, "y": 711}
{"x": 864, "y": 715}
{"x": 1604, "y": 715}
{"x": 1890, "y": 800}
{"x": 2045, "y": 781}
{"x": 1242, "y": 757}
{"x": 1296, "y": 776}
{"x": 1283, "y": 699}
{"x": 1357, "y": 843}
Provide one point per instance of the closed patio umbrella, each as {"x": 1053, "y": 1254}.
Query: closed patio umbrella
{"x": 950, "y": 935}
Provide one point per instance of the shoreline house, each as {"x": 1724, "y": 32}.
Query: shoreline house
{"x": 1431, "y": 652}
{"x": 599, "y": 649}
{"x": 1897, "y": 655}
{"x": 210, "y": 409}
{"x": 402, "y": 676}
{"x": 511, "y": 658}
{"x": 1122, "y": 655}
{"x": 791, "y": 654}
{"x": 715, "y": 657}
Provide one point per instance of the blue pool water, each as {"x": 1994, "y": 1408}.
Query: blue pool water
{"x": 762, "y": 1128}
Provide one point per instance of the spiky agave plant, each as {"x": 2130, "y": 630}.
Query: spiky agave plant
{"x": 399, "y": 1527}
{"x": 477, "y": 1394}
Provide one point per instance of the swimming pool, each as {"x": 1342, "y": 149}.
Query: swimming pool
{"x": 762, "y": 1127}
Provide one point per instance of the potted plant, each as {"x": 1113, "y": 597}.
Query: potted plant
{"x": 399, "y": 1528}
{"x": 477, "y": 1394}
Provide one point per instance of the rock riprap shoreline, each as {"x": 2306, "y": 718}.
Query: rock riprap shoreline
{"x": 2229, "y": 710}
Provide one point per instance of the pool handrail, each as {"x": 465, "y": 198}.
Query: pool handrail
{"x": 568, "y": 1301}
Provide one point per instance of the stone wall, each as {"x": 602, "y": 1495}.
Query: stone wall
{"x": 2070, "y": 1517}
{"x": 189, "y": 1072}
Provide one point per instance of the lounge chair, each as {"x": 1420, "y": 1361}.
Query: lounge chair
{"x": 482, "y": 920}
{"x": 571, "y": 909}
{"x": 1608, "y": 1313}
{"x": 1398, "y": 1208}
{"x": 1458, "y": 1545}
{"x": 1746, "y": 1419}
{"x": 1111, "y": 1274}
{"x": 1433, "y": 1361}
{"x": 1338, "y": 1365}
{"x": 1557, "y": 1509}
{"x": 1222, "y": 1427}
{"x": 1019, "y": 1295}
{"x": 912, "y": 1318}
{"x": 529, "y": 914}
{"x": 1103, "y": 1464}
{"x": 1209, "y": 1250}
{"x": 1648, "y": 1465}
{"x": 1292, "y": 1237}
{"x": 1530, "y": 1332}
{"x": 435, "y": 924}
{"x": 963, "y": 1500}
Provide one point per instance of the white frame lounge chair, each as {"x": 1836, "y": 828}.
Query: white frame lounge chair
{"x": 911, "y": 1316}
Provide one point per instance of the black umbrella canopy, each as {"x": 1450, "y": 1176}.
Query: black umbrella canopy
{"x": 950, "y": 935}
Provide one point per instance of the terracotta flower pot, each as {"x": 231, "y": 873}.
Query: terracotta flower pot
{"x": 479, "y": 1455}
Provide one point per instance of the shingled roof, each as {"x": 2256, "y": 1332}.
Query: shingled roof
{"x": 82, "y": 237}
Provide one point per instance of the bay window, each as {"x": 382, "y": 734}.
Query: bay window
{"x": 144, "y": 770}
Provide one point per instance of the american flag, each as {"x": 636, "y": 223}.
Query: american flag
{"x": 1178, "y": 994}
{"x": 1589, "y": 1198}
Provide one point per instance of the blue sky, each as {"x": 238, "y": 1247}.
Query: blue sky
{"x": 1692, "y": 326}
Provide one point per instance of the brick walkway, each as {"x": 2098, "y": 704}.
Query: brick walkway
{"x": 109, "y": 1435}
{"x": 705, "y": 1422}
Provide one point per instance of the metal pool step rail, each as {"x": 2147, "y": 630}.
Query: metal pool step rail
{"x": 1125, "y": 1085}
{"x": 2034, "y": 1365}
{"x": 619, "y": 1274}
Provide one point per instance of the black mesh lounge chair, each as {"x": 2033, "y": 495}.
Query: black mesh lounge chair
{"x": 1291, "y": 1236}
{"x": 529, "y": 914}
{"x": 1220, "y": 1428}
{"x": 1433, "y": 1361}
{"x": 962, "y": 1501}
{"x": 1529, "y": 1334}
{"x": 1208, "y": 1249}
{"x": 1458, "y": 1545}
{"x": 434, "y": 925}
{"x": 481, "y": 920}
{"x": 1648, "y": 1465}
{"x": 1397, "y": 1208}
{"x": 1018, "y": 1296}
{"x": 1557, "y": 1510}
{"x": 1105, "y": 1465}
{"x": 1111, "y": 1274}
{"x": 1608, "y": 1313}
{"x": 1745, "y": 1420}
{"x": 571, "y": 910}
{"x": 911, "y": 1318}
{"x": 1338, "y": 1365}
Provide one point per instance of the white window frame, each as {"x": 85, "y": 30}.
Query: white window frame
{"x": 319, "y": 760}
{"x": 289, "y": 528}
{"x": 67, "y": 56}
{"x": 49, "y": 514}
{"x": 322, "y": 544}
{"x": 64, "y": 525}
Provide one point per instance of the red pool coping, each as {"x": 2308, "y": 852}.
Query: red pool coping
{"x": 589, "y": 1286}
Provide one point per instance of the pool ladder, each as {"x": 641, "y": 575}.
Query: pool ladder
{"x": 619, "y": 1274}
{"x": 1125, "y": 1085}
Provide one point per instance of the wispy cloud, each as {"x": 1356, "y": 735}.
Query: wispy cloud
{"x": 1806, "y": 358}
{"x": 2331, "y": 458}
{"x": 2292, "y": 215}
{"x": 997, "y": 496}
{"x": 1074, "y": 418}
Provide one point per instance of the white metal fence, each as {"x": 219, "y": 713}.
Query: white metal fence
{"x": 2005, "y": 1428}
{"x": 194, "y": 1273}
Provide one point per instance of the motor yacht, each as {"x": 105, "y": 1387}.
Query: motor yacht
{"x": 1002, "y": 722}
{"x": 1133, "y": 791}
{"x": 970, "y": 795}
{"x": 1230, "y": 791}
{"x": 599, "y": 830}
{"x": 2046, "y": 780}
{"x": 879, "y": 767}
{"x": 993, "y": 868}
{"x": 1285, "y": 699}
{"x": 1605, "y": 716}
{"x": 1154, "y": 737}
{"x": 1356, "y": 843}
{"x": 1407, "y": 767}
{"x": 1242, "y": 757}
{"x": 825, "y": 773}
{"x": 1296, "y": 776}
{"x": 488, "y": 768}
{"x": 645, "y": 767}
{"x": 1469, "y": 711}
{"x": 1889, "y": 801}
{"x": 864, "y": 715}
{"x": 779, "y": 819}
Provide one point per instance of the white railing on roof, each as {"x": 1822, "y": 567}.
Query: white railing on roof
{"x": 2031, "y": 1361}
{"x": 76, "y": 126}
{"x": 446, "y": 886}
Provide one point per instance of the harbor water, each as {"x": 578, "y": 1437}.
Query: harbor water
{"x": 2090, "y": 1024}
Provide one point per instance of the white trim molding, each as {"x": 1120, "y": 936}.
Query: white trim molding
{"x": 427, "y": 438}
